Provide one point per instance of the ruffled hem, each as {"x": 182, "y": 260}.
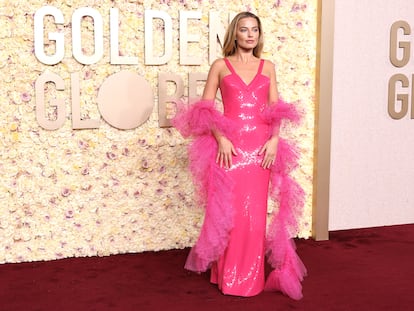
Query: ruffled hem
{"x": 287, "y": 278}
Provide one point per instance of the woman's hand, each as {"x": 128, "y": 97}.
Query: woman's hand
{"x": 225, "y": 151}
{"x": 269, "y": 149}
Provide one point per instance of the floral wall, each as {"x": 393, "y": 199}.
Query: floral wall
{"x": 70, "y": 192}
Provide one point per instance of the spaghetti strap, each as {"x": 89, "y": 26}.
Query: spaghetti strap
{"x": 259, "y": 71}
{"x": 229, "y": 66}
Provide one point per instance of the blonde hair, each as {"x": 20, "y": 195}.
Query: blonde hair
{"x": 230, "y": 45}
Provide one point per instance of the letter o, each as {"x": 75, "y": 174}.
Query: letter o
{"x": 125, "y": 100}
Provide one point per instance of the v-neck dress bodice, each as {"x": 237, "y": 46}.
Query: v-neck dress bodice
{"x": 244, "y": 104}
{"x": 236, "y": 93}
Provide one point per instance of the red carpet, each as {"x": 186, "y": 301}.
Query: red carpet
{"x": 364, "y": 269}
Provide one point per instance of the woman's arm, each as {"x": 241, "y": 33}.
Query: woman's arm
{"x": 225, "y": 147}
{"x": 213, "y": 81}
{"x": 270, "y": 147}
{"x": 273, "y": 92}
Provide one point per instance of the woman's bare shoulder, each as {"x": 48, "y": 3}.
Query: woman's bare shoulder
{"x": 218, "y": 63}
{"x": 269, "y": 68}
{"x": 268, "y": 63}
{"x": 218, "y": 67}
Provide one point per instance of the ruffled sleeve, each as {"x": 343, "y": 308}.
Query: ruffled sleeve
{"x": 276, "y": 112}
{"x": 199, "y": 118}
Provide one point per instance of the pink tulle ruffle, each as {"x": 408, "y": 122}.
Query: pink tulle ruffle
{"x": 289, "y": 270}
{"x": 215, "y": 232}
{"x": 198, "y": 120}
{"x": 278, "y": 111}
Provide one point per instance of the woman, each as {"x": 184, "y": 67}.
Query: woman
{"x": 234, "y": 158}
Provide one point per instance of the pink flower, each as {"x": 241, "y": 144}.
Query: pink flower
{"x": 26, "y": 97}
{"x": 88, "y": 75}
{"x": 115, "y": 181}
{"x": 69, "y": 214}
{"x": 111, "y": 155}
{"x": 144, "y": 164}
{"x": 65, "y": 192}
{"x": 142, "y": 142}
{"x": 83, "y": 144}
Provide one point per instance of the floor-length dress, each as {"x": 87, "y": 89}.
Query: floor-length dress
{"x": 240, "y": 270}
{"x": 233, "y": 240}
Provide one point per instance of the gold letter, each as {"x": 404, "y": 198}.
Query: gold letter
{"x": 78, "y": 53}
{"x": 185, "y": 38}
{"x": 77, "y": 122}
{"x": 403, "y": 98}
{"x": 164, "y": 98}
{"x": 216, "y": 35}
{"x": 150, "y": 59}
{"x": 58, "y": 103}
{"x": 404, "y": 45}
{"x": 193, "y": 79}
{"x": 117, "y": 59}
{"x": 52, "y": 36}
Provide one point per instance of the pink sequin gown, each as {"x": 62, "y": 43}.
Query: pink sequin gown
{"x": 240, "y": 270}
{"x": 233, "y": 240}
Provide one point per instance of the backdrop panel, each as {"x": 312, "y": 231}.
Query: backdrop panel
{"x": 76, "y": 181}
{"x": 371, "y": 158}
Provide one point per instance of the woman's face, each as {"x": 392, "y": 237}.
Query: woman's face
{"x": 247, "y": 34}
